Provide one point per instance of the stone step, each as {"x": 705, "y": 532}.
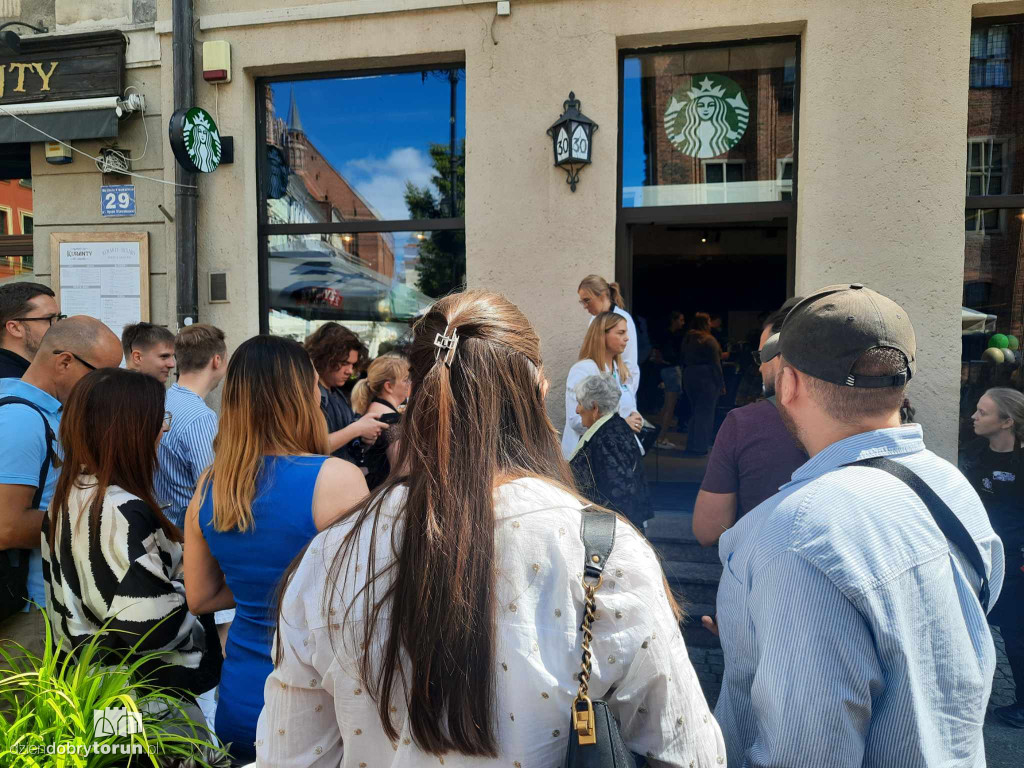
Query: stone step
{"x": 685, "y": 551}
{"x": 693, "y": 582}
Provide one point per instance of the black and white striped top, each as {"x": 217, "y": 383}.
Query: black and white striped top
{"x": 130, "y": 574}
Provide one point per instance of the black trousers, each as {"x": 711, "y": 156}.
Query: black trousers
{"x": 1008, "y": 615}
{"x": 702, "y": 390}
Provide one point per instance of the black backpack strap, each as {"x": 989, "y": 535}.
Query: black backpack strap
{"x": 598, "y": 533}
{"x": 950, "y": 525}
{"x": 51, "y": 439}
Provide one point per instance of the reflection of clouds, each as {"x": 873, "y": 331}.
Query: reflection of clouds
{"x": 381, "y": 181}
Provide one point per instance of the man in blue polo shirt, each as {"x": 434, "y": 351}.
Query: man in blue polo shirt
{"x": 852, "y": 606}
{"x": 68, "y": 351}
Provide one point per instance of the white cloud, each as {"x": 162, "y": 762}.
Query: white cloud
{"x": 382, "y": 180}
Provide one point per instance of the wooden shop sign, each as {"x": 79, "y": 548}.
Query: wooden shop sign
{"x": 61, "y": 67}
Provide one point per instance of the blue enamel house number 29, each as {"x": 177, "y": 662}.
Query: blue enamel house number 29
{"x": 117, "y": 200}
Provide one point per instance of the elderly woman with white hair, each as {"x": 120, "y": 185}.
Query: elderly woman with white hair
{"x": 607, "y": 464}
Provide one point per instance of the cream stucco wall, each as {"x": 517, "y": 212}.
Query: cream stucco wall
{"x": 883, "y": 108}
{"x": 882, "y": 124}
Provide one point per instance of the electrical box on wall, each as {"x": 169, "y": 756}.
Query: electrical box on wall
{"x": 217, "y": 61}
{"x": 57, "y": 153}
{"x": 218, "y": 287}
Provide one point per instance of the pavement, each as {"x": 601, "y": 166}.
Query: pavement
{"x": 1004, "y": 746}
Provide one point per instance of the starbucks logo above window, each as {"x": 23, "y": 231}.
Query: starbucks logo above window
{"x": 708, "y": 118}
{"x": 195, "y": 140}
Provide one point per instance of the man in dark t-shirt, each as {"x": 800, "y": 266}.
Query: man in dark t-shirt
{"x": 753, "y": 455}
{"x": 27, "y": 310}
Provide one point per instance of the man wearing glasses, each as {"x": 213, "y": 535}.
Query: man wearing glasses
{"x": 27, "y": 310}
{"x": 30, "y": 410}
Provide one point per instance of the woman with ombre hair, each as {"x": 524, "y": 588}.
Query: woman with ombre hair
{"x": 268, "y": 492}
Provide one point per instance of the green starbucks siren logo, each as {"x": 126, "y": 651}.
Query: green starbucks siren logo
{"x": 708, "y": 118}
{"x": 195, "y": 140}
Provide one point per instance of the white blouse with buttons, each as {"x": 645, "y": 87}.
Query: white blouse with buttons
{"x": 318, "y": 713}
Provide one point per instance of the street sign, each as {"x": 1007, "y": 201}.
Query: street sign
{"x": 117, "y": 199}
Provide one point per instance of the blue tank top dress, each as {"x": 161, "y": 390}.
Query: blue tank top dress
{"x": 253, "y": 564}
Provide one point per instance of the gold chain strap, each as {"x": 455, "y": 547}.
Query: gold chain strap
{"x": 583, "y": 720}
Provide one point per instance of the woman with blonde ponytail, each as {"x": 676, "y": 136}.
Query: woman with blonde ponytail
{"x": 597, "y": 295}
{"x": 994, "y": 464}
{"x": 269, "y": 491}
{"x": 380, "y": 395}
{"x": 439, "y": 620}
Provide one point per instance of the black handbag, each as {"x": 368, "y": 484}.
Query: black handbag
{"x": 594, "y": 738}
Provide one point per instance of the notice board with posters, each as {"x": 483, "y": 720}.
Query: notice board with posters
{"x": 102, "y": 274}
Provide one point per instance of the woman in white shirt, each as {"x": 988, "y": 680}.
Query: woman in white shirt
{"x": 603, "y": 346}
{"x": 597, "y": 295}
{"x": 437, "y": 623}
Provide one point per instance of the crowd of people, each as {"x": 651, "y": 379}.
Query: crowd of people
{"x": 398, "y": 574}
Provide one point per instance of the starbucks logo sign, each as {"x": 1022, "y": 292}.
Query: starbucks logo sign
{"x": 195, "y": 140}
{"x": 708, "y": 118}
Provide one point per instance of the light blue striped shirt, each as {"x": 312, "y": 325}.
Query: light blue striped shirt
{"x": 185, "y": 451}
{"x": 852, "y": 635}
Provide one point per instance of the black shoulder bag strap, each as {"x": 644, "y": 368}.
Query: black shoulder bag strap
{"x": 50, "y": 458}
{"x": 594, "y": 738}
{"x": 950, "y": 525}
{"x": 15, "y": 579}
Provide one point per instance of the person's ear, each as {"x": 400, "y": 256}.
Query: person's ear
{"x": 218, "y": 362}
{"x": 136, "y": 356}
{"x": 786, "y": 385}
{"x": 15, "y": 329}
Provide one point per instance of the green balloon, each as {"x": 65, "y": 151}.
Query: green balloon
{"x": 1014, "y": 343}
{"x": 999, "y": 341}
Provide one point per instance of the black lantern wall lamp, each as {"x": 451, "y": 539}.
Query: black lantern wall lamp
{"x": 572, "y": 136}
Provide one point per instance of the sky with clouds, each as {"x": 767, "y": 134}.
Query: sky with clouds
{"x": 377, "y": 131}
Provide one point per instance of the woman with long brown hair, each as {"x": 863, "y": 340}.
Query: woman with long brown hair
{"x": 268, "y": 492}
{"x": 436, "y": 624}
{"x": 597, "y": 295}
{"x": 602, "y": 350}
{"x": 114, "y": 560}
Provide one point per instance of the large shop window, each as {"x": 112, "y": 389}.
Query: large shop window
{"x": 362, "y": 200}
{"x": 712, "y": 125}
{"x": 992, "y": 310}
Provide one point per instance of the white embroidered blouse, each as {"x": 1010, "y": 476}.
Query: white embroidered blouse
{"x": 317, "y": 712}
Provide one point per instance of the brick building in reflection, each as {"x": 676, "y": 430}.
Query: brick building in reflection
{"x": 325, "y": 195}
{"x": 993, "y": 277}
{"x": 767, "y": 77}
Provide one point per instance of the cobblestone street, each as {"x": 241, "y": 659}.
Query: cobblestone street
{"x": 1004, "y": 746}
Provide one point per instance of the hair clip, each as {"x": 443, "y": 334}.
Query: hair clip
{"x": 445, "y": 342}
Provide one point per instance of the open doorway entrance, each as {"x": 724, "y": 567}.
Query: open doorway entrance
{"x": 738, "y": 273}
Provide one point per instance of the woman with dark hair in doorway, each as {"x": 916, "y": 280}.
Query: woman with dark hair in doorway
{"x": 703, "y": 381}
{"x": 437, "y": 621}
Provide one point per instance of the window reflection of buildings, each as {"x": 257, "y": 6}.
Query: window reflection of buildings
{"x": 317, "y": 193}
{"x": 768, "y": 84}
{"x": 993, "y": 278}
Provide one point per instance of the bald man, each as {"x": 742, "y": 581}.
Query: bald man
{"x": 29, "y": 453}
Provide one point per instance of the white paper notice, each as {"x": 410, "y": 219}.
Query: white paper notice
{"x": 102, "y": 280}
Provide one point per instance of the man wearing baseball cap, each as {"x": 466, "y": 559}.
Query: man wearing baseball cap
{"x": 852, "y": 610}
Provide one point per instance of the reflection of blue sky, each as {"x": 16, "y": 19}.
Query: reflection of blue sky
{"x": 634, "y": 164}
{"x": 377, "y": 131}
